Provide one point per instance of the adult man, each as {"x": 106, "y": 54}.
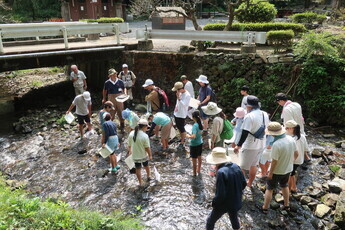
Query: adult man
{"x": 229, "y": 189}
{"x": 79, "y": 80}
{"x": 291, "y": 110}
{"x": 114, "y": 87}
{"x": 152, "y": 98}
{"x": 205, "y": 93}
{"x": 82, "y": 103}
{"x": 181, "y": 108}
{"x": 244, "y": 93}
{"x": 128, "y": 78}
{"x": 284, "y": 151}
{"x": 252, "y": 147}
{"x": 188, "y": 85}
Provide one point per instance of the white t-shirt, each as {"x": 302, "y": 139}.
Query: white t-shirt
{"x": 217, "y": 127}
{"x": 244, "y": 102}
{"x": 81, "y": 105}
{"x": 302, "y": 146}
{"x": 293, "y": 111}
{"x": 138, "y": 147}
{"x": 189, "y": 87}
{"x": 181, "y": 108}
{"x": 80, "y": 78}
{"x": 283, "y": 152}
{"x": 252, "y": 122}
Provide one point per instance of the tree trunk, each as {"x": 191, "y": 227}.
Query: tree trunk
{"x": 231, "y": 18}
{"x": 195, "y": 22}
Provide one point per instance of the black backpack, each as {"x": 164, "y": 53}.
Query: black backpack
{"x": 213, "y": 95}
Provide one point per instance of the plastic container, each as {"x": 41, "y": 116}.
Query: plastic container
{"x": 69, "y": 117}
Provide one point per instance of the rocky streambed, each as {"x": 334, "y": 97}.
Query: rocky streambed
{"x": 46, "y": 157}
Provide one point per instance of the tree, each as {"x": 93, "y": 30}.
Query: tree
{"x": 233, "y": 11}
{"x": 258, "y": 11}
{"x": 143, "y": 8}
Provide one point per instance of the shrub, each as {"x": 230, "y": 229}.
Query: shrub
{"x": 104, "y": 20}
{"x": 258, "y": 11}
{"x": 296, "y": 28}
{"x": 280, "y": 39}
{"x": 308, "y": 17}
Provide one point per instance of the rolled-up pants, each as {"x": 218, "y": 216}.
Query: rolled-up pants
{"x": 216, "y": 214}
{"x": 118, "y": 106}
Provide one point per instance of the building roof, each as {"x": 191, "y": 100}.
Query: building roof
{"x": 169, "y": 14}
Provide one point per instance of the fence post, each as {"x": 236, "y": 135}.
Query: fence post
{"x": 146, "y": 33}
{"x": 1, "y": 45}
{"x": 65, "y": 38}
{"x": 117, "y": 31}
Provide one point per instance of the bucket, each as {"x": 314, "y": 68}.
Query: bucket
{"x": 69, "y": 118}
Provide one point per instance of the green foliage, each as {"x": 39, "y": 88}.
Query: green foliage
{"x": 334, "y": 168}
{"x": 28, "y": 10}
{"x": 56, "y": 69}
{"x": 104, "y": 20}
{"x": 268, "y": 26}
{"x": 308, "y": 17}
{"x": 37, "y": 83}
{"x": 17, "y": 211}
{"x": 280, "y": 39}
{"x": 61, "y": 121}
{"x": 258, "y": 11}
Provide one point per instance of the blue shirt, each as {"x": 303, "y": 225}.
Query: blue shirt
{"x": 229, "y": 188}
{"x": 112, "y": 88}
{"x": 109, "y": 128}
{"x": 198, "y": 138}
{"x": 161, "y": 119}
{"x": 237, "y": 129}
{"x": 204, "y": 92}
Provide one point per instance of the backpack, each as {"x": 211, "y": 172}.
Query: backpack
{"x": 227, "y": 132}
{"x": 128, "y": 84}
{"x": 163, "y": 98}
{"x": 213, "y": 95}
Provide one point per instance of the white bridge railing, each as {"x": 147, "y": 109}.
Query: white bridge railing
{"x": 249, "y": 37}
{"x": 64, "y": 29}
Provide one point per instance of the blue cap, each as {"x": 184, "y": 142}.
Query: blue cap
{"x": 126, "y": 113}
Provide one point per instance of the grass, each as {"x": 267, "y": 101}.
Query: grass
{"x": 37, "y": 83}
{"x": 334, "y": 168}
{"x": 18, "y": 211}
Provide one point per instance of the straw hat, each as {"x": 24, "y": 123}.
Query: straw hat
{"x": 218, "y": 156}
{"x": 112, "y": 71}
{"x": 211, "y": 109}
{"x": 203, "y": 79}
{"x": 240, "y": 112}
{"x": 110, "y": 104}
{"x": 275, "y": 129}
{"x": 178, "y": 85}
{"x": 291, "y": 124}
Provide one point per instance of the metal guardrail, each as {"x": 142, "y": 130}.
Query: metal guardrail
{"x": 59, "y": 29}
{"x": 229, "y": 36}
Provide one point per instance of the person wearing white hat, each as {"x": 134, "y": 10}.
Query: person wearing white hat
{"x": 128, "y": 78}
{"x": 284, "y": 151}
{"x": 230, "y": 183}
{"x": 79, "y": 80}
{"x": 205, "y": 94}
{"x": 139, "y": 147}
{"x": 152, "y": 99}
{"x": 211, "y": 109}
{"x": 82, "y": 103}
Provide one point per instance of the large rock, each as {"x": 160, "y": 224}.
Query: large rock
{"x": 341, "y": 173}
{"x": 330, "y": 199}
{"x": 322, "y": 210}
{"x": 339, "y": 215}
{"x": 306, "y": 200}
{"x": 337, "y": 185}
{"x": 317, "y": 152}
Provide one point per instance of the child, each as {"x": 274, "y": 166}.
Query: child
{"x": 293, "y": 129}
{"x": 131, "y": 117}
{"x": 196, "y": 142}
{"x": 238, "y": 121}
{"x": 108, "y": 105}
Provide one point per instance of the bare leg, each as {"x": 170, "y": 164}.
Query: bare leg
{"x": 81, "y": 130}
{"x": 252, "y": 174}
{"x": 147, "y": 168}
{"x": 205, "y": 123}
{"x": 183, "y": 136}
{"x": 138, "y": 173}
{"x": 199, "y": 164}
{"x": 194, "y": 166}
{"x": 89, "y": 126}
{"x": 113, "y": 160}
{"x": 286, "y": 196}
{"x": 156, "y": 130}
{"x": 268, "y": 198}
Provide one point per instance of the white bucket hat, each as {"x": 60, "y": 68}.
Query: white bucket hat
{"x": 218, "y": 156}
{"x": 203, "y": 79}
{"x": 87, "y": 96}
{"x": 211, "y": 109}
{"x": 148, "y": 82}
{"x": 275, "y": 129}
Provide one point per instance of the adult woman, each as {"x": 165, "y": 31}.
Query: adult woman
{"x": 139, "y": 147}
{"x": 110, "y": 139}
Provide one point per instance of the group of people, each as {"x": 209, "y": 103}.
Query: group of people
{"x": 277, "y": 149}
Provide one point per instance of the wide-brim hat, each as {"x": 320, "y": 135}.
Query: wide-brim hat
{"x": 275, "y": 129}
{"x": 203, "y": 79}
{"x": 240, "y": 112}
{"x": 291, "y": 124}
{"x": 218, "y": 156}
{"x": 211, "y": 109}
{"x": 87, "y": 96}
{"x": 178, "y": 85}
{"x": 110, "y": 104}
{"x": 112, "y": 71}
{"x": 147, "y": 83}
{"x": 126, "y": 113}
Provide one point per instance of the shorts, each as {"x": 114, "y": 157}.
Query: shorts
{"x": 265, "y": 156}
{"x": 165, "y": 132}
{"x": 180, "y": 124}
{"x": 203, "y": 115}
{"x": 138, "y": 165}
{"x": 294, "y": 170}
{"x": 249, "y": 158}
{"x": 195, "y": 151}
{"x": 282, "y": 179}
{"x": 82, "y": 118}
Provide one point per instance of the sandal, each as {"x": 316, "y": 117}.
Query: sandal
{"x": 286, "y": 208}
{"x": 264, "y": 210}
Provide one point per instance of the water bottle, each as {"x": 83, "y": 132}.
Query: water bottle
{"x": 164, "y": 107}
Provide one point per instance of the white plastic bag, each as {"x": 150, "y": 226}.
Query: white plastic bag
{"x": 118, "y": 157}
{"x": 157, "y": 175}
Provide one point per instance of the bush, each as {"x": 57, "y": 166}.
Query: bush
{"x": 258, "y": 11}
{"x": 104, "y": 20}
{"x": 265, "y": 27}
{"x": 308, "y": 17}
{"x": 280, "y": 39}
